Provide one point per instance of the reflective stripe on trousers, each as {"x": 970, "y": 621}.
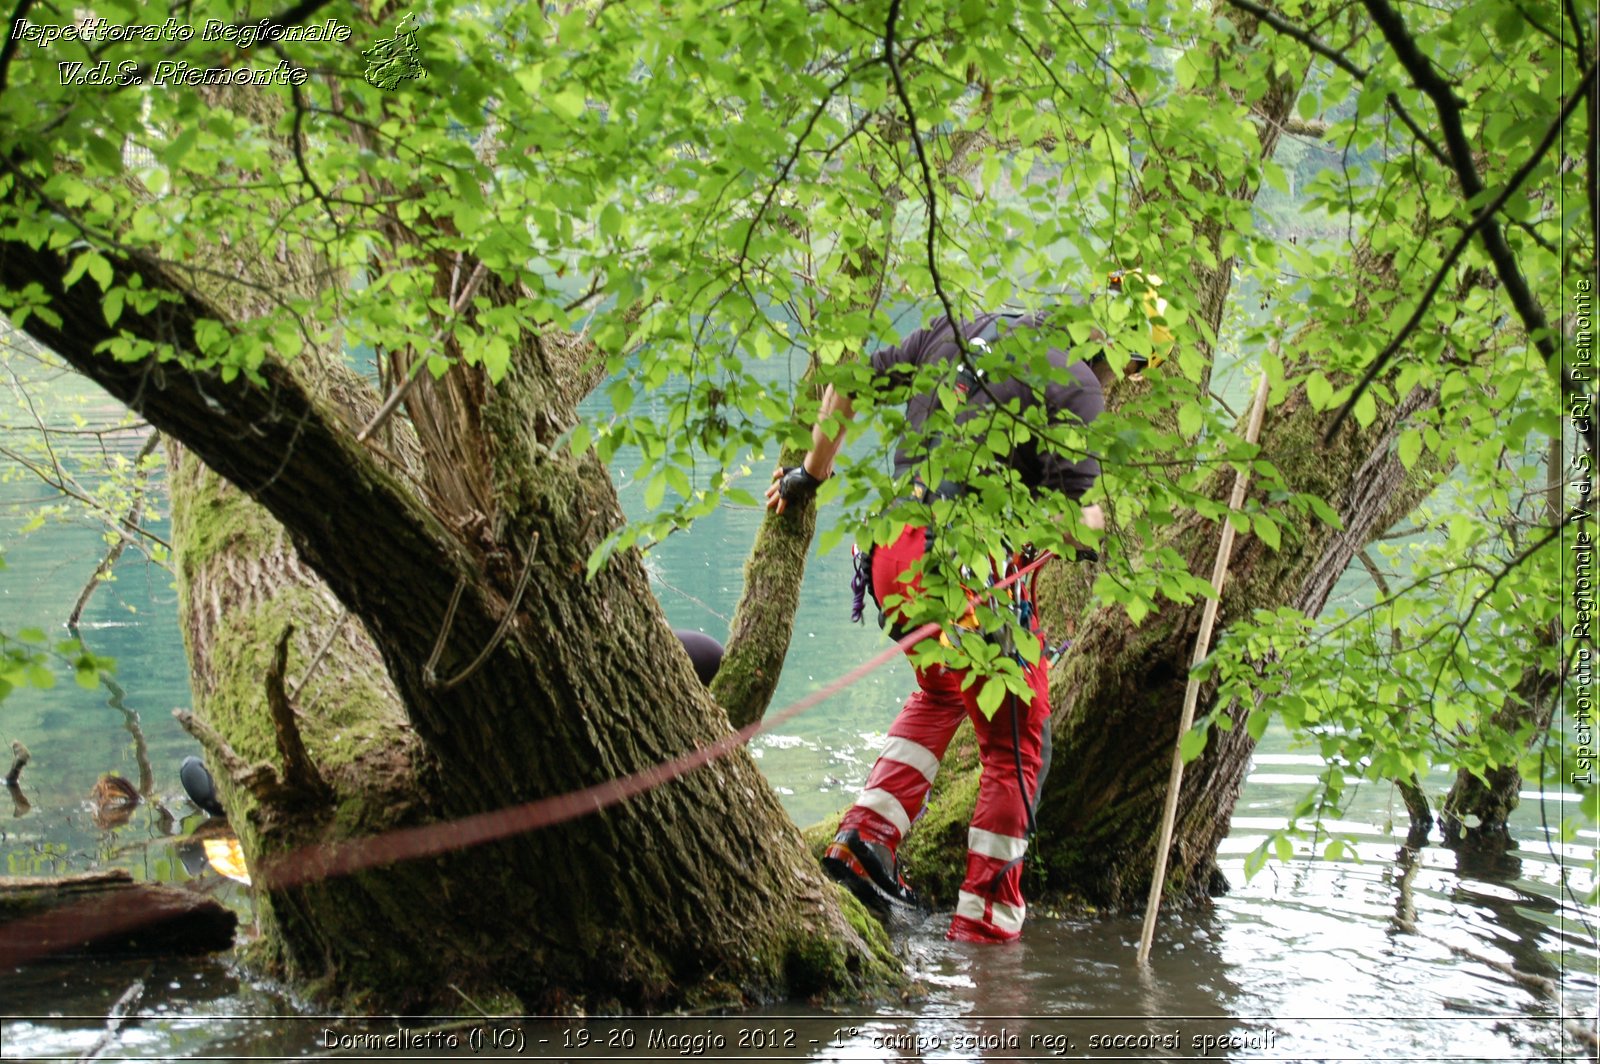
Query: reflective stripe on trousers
{"x": 991, "y": 907}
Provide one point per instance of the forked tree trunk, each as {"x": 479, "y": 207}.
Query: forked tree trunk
{"x": 696, "y": 892}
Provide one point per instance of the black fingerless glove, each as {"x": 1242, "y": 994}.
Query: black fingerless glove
{"x": 797, "y": 485}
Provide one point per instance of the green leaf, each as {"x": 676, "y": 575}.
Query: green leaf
{"x": 1267, "y": 529}
{"x": 580, "y": 439}
{"x": 568, "y": 103}
{"x": 1255, "y": 861}
{"x": 1366, "y": 409}
{"x": 1030, "y": 649}
{"x": 990, "y": 695}
{"x": 1193, "y": 743}
{"x": 76, "y": 270}
{"x": 621, "y": 392}
{"x": 1410, "y": 447}
{"x": 112, "y": 305}
{"x": 655, "y": 490}
{"x": 1190, "y": 419}
{"x": 1325, "y": 513}
{"x": 1256, "y": 723}
{"x": 100, "y": 270}
{"x": 172, "y": 155}
{"x": 1319, "y": 391}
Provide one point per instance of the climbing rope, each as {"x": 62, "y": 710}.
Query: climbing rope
{"x": 26, "y": 939}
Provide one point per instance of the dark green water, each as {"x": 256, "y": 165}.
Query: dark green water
{"x": 1359, "y": 959}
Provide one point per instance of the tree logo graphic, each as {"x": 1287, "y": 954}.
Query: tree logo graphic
{"x": 395, "y": 60}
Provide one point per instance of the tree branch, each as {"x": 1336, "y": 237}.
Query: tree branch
{"x": 1577, "y": 30}
{"x": 927, "y": 179}
{"x": 8, "y": 51}
{"x": 299, "y": 144}
{"x": 1478, "y": 222}
{"x": 1337, "y": 58}
{"x": 300, "y": 774}
{"x": 1448, "y": 106}
{"x": 292, "y": 455}
{"x": 1301, "y": 34}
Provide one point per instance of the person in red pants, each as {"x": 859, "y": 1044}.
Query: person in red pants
{"x": 1011, "y": 743}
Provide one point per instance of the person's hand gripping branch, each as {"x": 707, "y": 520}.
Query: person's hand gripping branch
{"x": 796, "y": 484}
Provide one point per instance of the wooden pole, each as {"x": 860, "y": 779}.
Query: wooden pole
{"x": 1191, "y": 694}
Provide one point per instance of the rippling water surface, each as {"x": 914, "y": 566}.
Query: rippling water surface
{"x": 1369, "y": 958}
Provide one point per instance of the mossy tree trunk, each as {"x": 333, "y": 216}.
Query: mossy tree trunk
{"x": 1475, "y": 814}
{"x": 1117, "y": 695}
{"x": 1120, "y": 690}
{"x": 696, "y": 891}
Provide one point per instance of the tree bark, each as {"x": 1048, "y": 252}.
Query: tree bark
{"x": 107, "y": 913}
{"x": 698, "y": 891}
{"x": 1475, "y": 814}
{"x": 1120, "y": 689}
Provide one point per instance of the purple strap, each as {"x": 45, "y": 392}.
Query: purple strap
{"x": 859, "y": 583}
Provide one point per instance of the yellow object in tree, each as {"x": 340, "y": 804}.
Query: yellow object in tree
{"x": 227, "y": 857}
{"x": 1153, "y": 305}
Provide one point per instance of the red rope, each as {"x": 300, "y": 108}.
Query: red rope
{"x": 25, "y": 939}
{"x": 337, "y": 859}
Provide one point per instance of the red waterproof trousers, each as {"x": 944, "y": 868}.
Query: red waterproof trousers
{"x": 989, "y": 907}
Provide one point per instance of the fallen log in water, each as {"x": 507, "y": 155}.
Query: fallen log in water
{"x": 101, "y": 913}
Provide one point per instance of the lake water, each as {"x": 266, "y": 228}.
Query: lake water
{"x": 1367, "y": 958}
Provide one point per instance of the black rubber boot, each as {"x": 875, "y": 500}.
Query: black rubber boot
{"x": 870, "y": 871}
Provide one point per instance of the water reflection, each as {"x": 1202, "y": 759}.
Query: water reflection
{"x": 1359, "y": 959}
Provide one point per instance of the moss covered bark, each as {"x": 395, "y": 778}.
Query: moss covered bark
{"x": 764, "y": 620}
{"x": 1476, "y": 813}
{"x": 697, "y": 892}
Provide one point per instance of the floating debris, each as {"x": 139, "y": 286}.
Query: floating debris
{"x": 113, "y": 800}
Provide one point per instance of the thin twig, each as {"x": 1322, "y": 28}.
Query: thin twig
{"x": 121, "y": 1012}
{"x": 19, "y": 759}
{"x": 327, "y": 644}
{"x": 430, "y": 678}
{"x": 475, "y": 1006}
{"x": 298, "y": 142}
{"x": 70, "y": 493}
{"x": 109, "y": 562}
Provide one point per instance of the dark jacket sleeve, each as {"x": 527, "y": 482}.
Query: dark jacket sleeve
{"x": 899, "y": 363}
{"x": 1077, "y": 401}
